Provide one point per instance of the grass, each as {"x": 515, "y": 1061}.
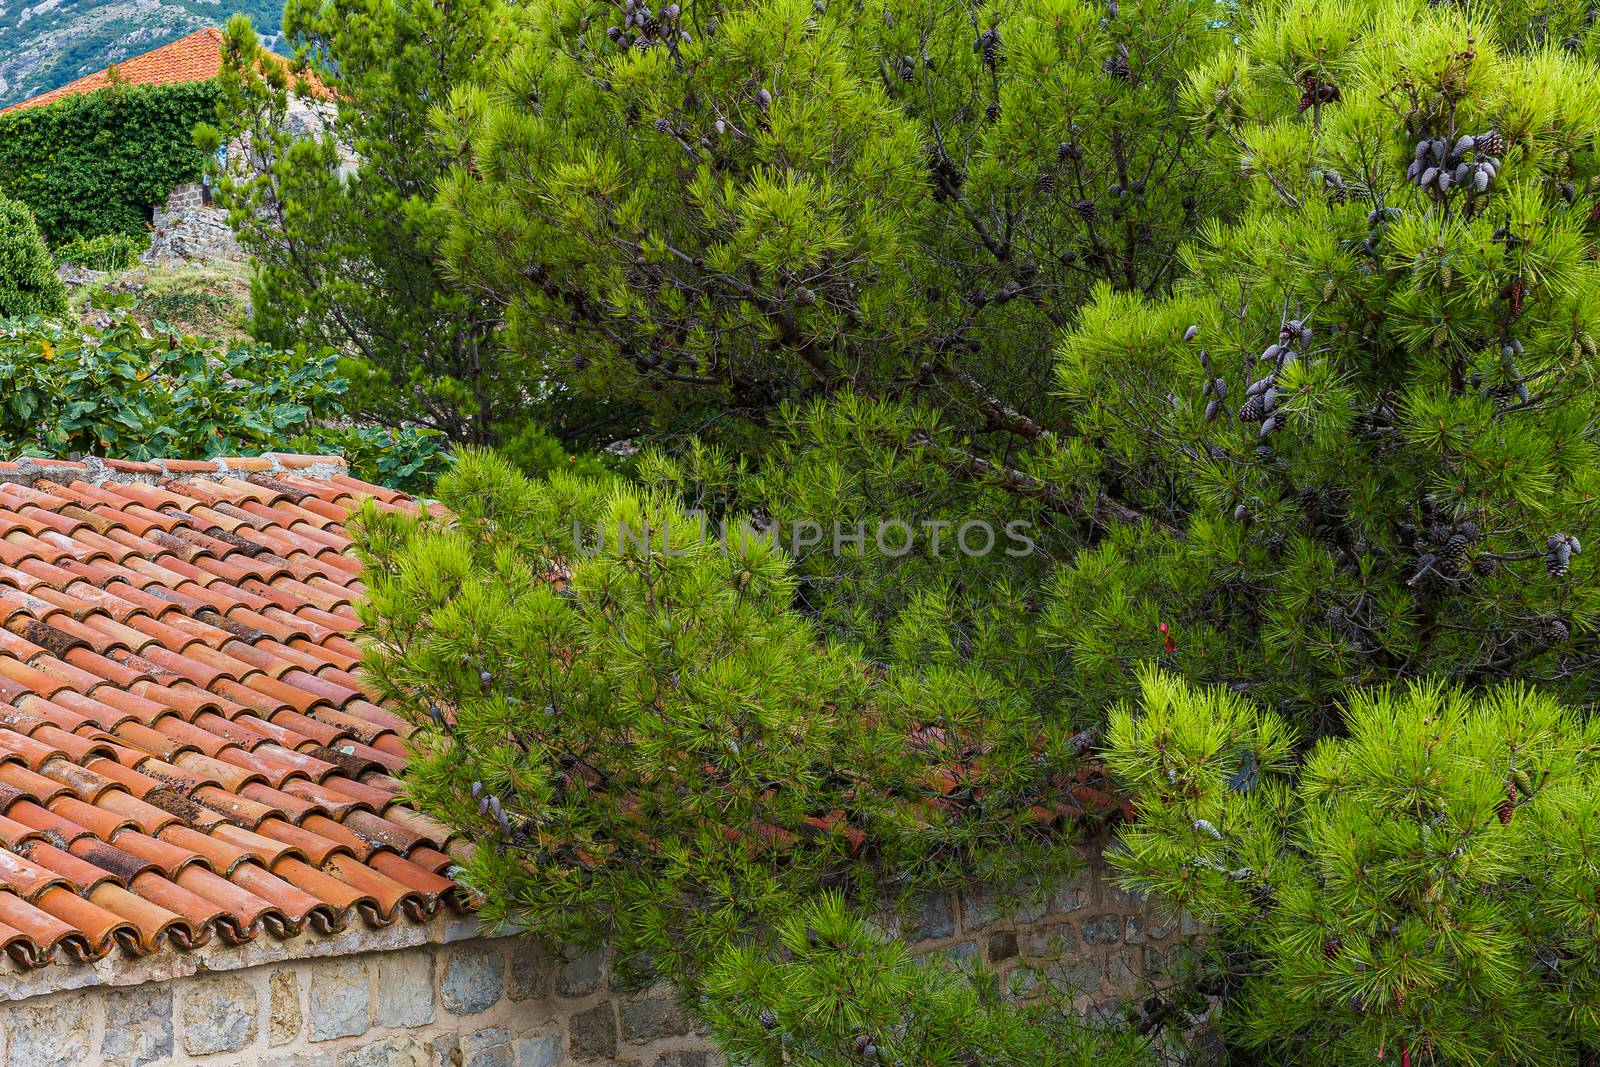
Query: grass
{"x": 211, "y": 300}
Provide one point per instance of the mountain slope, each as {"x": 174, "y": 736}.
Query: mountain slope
{"x": 50, "y": 42}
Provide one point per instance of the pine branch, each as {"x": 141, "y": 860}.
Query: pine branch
{"x": 1103, "y": 513}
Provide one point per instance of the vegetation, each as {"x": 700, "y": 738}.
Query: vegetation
{"x": 1424, "y": 886}
{"x": 108, "y": 252}
{"x": 787, "y": 1007}
{"x": 340, "y": 220}
{"x": 136, "y": 394}
{"x": 663, "y": 752}
{"x": 1367, "y": 416}
{"x": 718, "y": 214}
{"x": 1273, "y": 330}
{"x": 1257, "y": 344}
{"x": 97, "y": 163}
{"x": 28, "y": 282}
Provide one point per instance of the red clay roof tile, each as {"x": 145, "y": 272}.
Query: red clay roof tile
{"x": 187, "y": 747}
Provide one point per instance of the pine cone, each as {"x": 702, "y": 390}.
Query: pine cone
{"x": 1047, "y": 182}
{"x": 1484, "y": 566}
{"x": 1490, "y": 143}
{"x": 1453, "y": 555}
{"x": 1116, "y": 64}
{"x": 1085, "y": 210}
{"x": 1254, "y": 410}
{"x": 1554, "y": 632}
{"x": 1559, "y": 549}
{"x": 988, "y": 45}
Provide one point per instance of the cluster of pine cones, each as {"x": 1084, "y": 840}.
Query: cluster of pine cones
{"x": 1559, "y": 550}
{"x": 644, "y": 28}
{"x": 1261, "y": 396}
{"x": 1439, "y": 166}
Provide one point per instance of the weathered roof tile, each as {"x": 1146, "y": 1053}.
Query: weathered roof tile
{"x": 187, "y": 748}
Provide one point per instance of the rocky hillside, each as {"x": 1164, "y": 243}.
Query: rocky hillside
{"x": 46, "y": 43}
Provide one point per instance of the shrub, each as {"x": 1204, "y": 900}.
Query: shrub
{"x": 108, "y": 252}
{"x": 655, "y": 749}
{"x": 1425, "y": 887}
{"x": 28, "y": 282}
{"x": 96, "y": 163}
{"x": 135, "y": 394}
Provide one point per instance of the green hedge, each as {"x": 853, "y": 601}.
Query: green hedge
{"x": 94, "y": 164}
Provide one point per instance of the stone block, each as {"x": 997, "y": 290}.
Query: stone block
{"x": 1158, "y": 927}
{"x": 1079, "y": 975}
{"x": 340, "y": 1000}
{"x": 221, "y": 1013}
{"x": 1102, "y": 929}
{"x": 138, "y": 1025}
{"x": 401, "y": 1050}
{"x": 1074, "y": 894}
{"x": 405, "y": 989}
{"x": 283, "y": 1007}
{"x": 1120, "y": 972}
{"x": 982, "y": 905}
{"x": 1047, "y": 942}
{"x": 539, "y": 1050}
{"x": 1002, "y": 946}
{"x": 593, "y": 1033}
{"x": 655, "y": 1015}
{"x": 530, "y": 968}
{"x": 932, "y": 917}
{"x": 445, "y": 1051}
{"x": 52, "y": 1033}
{"x": 471, "y": 981}
{"x": 961, "y": 952}
{"x": 489, "y": 1047}
{"x": 1127, "y": 899}
{"x": 582, "y": 975}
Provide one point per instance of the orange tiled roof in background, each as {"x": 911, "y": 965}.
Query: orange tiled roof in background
{"x": 187, "y": 751}
{"x": 195, "y": 58}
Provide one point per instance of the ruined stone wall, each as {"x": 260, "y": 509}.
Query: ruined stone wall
{"x": 188, "y": 230}
{"x": 441, "y": 995}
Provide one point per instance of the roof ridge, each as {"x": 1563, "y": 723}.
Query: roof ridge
{"x": 95, "y": 470}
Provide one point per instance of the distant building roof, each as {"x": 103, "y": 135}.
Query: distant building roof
{"x": 195, "y": 58}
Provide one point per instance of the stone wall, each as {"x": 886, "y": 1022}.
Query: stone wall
{"x": 188, "y": 230}
{"x": 442, "y": 996}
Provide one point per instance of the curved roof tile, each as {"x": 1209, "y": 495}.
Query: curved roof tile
{"x": 188, "y": 751}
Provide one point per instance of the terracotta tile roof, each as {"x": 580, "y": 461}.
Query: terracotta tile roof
{"x": 195, "y": 58}
{"x": 187, "y": 748}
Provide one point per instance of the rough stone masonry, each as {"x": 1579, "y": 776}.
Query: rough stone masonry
{"x": 442, "y": 995}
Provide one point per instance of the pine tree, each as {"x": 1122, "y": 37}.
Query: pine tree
{"x": 28, "y": 282}
{"x": 655, "y": 749}
{"x": 1422, "y": 890}
{"x": 698, "y": 210}
{"x": 1366, "y": 422}
{"x": 332, "y": 198}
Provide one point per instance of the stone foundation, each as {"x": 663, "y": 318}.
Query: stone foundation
{"x": 440, "y": 995}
